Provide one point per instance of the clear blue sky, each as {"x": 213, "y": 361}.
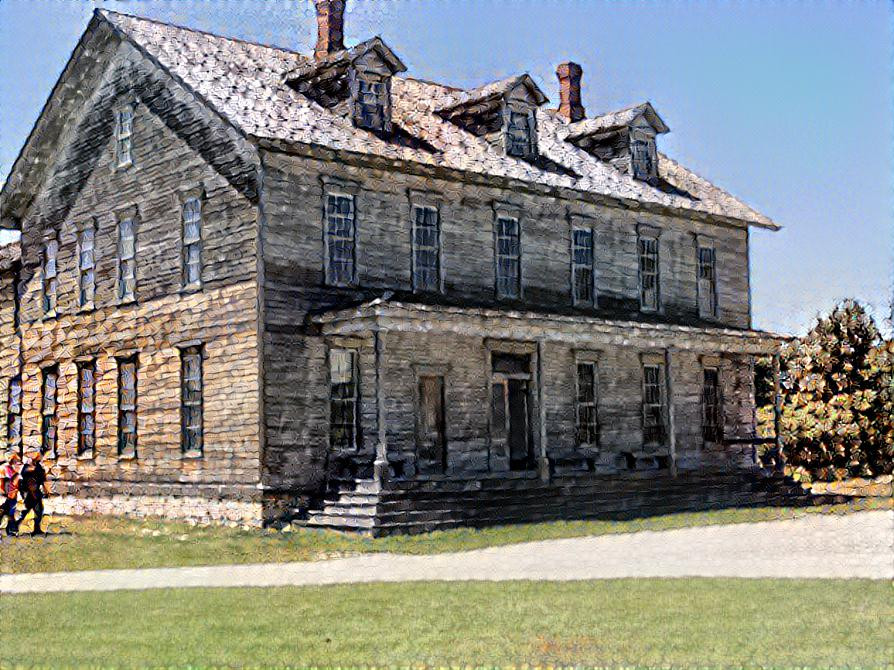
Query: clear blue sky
{"x": 788, "y": 105}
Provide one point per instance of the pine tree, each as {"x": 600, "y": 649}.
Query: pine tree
{"x": 838, "y": 395}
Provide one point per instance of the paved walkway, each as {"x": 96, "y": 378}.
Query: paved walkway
{"x": 852, "y": 545}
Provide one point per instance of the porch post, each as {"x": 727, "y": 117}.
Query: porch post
{"x": 778, "y": 463}
{"x": 671, "y": 412}
{"x": 380, "y": 465}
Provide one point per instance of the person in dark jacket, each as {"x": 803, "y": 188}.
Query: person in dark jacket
{"x": 34, "y": 486}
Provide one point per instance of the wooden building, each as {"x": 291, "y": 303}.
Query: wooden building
{"x": 255, "y": 284}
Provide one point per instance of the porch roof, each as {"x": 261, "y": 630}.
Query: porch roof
{"x": 384, "y": 315}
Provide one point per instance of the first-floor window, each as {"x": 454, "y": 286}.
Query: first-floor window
{"x": 711, "y": 423}
{"x": 587, "y": 415}
{"x": 654, "y": 430}
{"x": 14, "y": 415}
{"x": 86, "y": 408}
{"x": 48, "y": 427}
{"x": 191, "y": 400}
{"x": 343, "y": 399}
{"x": 431, "y": 433}
{"x": 127, "y": 407}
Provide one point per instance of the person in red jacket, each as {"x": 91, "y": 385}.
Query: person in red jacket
{"x": 10, "y": 477}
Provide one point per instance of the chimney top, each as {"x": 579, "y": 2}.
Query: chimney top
{"x": 330, "y": 27}
{"x": 570, "y": 106}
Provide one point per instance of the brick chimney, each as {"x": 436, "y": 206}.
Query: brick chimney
{"x": 330, "y": 27}
{"x": 569, "y": 91}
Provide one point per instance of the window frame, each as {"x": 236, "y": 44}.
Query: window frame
{"x": 49, "y": 278}
{"x": 354, "y": 444}
{"x": 86, "y": 410}
{"x": 124, "y": 136}
{"x": 122, "y": 262}
{"x": 188, "y": 243}
{"x": 704, "y": 283}
{"x": 87, "y": 287}
{"x": 416, "y": 248}
{"x": 640, "y": 138}
{"x": 330, "y": 278}
{"x": 14, "y": 400}
{"x": 576, "y": 300}
{"x": 518, "y": 294}
{"x": 592, "y": 362}
{"x": 712, "y": 432}
{"x": 125, "y": 409}
{"x": 367, "y": 115}
{"x": 660, "y": 385}
{"x": 510, "y": 139}
{"x": 188, "y": 424}
{"x": 648, "y": 235}
{"x": 49, "y": 411}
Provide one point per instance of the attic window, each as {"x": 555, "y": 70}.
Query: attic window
{"x": 643, "y": 156}
{"x": 371, "y": 103}
{"x": 521, "y": 134}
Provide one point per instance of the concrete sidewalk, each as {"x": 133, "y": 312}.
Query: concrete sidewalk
{"x": 832, "y": 546}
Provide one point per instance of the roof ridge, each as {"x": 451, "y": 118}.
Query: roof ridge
{"x": 103, "y": 11}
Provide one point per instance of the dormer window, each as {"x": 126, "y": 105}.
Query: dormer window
{"x": 643, "y": 157}
{"x": 521, "y": 134}
{"x": 371, "y": 103}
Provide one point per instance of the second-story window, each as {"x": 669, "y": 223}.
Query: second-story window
{"x": 508, "y": 257}
{"x": 127, "y": 259}
{"x": 707, "y": 282}
{"x": 192, "y": 402}
{"x": 14, "y": 415}
{"x": 582, "y": 260}
{"x": 340, "y": 240}
{"x": 50, "y": 271}
{"x": 86, "y": 266}
{"x": 426, "y": 249}
{"x": 48, "y": 426}
{"x": 124, "y": 135}
{"x": 127, "y": 407}
{"x": 521, "y": 134}
{"x": 649, "y": 289}
{"x": 192, "y": 242}
{"x": 86, "y": 408}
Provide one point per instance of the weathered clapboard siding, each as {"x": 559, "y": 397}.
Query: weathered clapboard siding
{"x": 222, "y": 316}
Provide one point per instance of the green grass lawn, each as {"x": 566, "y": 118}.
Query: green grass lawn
{"x": 92, "y": 543}
{"x": 652, "y": 622}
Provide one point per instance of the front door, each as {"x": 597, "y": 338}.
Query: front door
{"x": 511, "y": 442}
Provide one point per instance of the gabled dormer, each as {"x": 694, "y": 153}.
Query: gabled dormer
{"x": 503, "y": 112}
{"x": 626, "y": 139}
{"x": 355, "y": 81}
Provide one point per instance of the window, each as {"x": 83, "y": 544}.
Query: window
{"x": 426, "y": 249}
{"x": 649, "y": 296}
{"x": 508, "y": 257}
{"x": 643, "y": 155}
{"x": 340, "y": 240}
{"x": 587, "y": 415}
{"x": 86, "y": 266}
{"x": 711, "y": 421}
{"x": 48, "y": 427}
{"x": 431, "y": 440}
{"x": 86, "y": 408}
{"x": 192, "y": 242}
{"x": 50, "y": 271}
{"x": 369, "y": 109}
{"x": 191, "y": 401}
{"x": 653, "y": 404}
{"x": 343, "y": 399}
{"x": 127, "y": 407}
{"x": 124, "y": 135}
{"x": 520, "y": 134}
{"x": 127, "y": 264}
{"x": 707, "y": 282}
{"x": 14, "y": 415}
{"x": 582, "y": 257}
